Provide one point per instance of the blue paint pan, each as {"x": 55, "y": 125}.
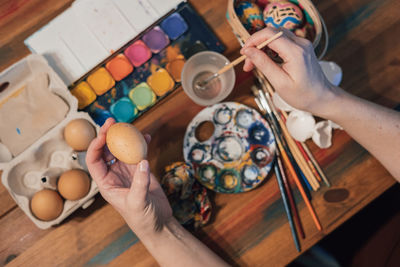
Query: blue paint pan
{"x": 124, "y": 110}
{"x": 174, "y": 26}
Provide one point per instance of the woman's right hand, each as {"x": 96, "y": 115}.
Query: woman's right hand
{"x": 299, "y": 80}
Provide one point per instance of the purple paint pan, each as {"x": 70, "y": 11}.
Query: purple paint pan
{"x": 138, "y": 53}
{"x": 156, "y": 39}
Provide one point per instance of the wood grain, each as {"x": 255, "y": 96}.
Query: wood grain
{"x": 248, "y": 229}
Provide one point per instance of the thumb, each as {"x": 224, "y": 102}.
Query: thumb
{"x": 140, "y": 184}
{"x": 265, "y": 64}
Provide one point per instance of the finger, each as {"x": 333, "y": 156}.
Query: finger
{"x": 248, "y": 65}
{"x": 94, "y": 155}
{"x": 140, "y": 184}
{"x": 283, "y": 45}
{"x": 270, "y": 69}
{"x": 147, "y": 137}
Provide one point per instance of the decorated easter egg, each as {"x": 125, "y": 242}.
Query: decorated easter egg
{"x": 283, "y": 14}
{"x": 250, "y": 15}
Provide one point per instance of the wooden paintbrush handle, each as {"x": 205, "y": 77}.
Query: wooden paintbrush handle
{"x": 240, "y": 59}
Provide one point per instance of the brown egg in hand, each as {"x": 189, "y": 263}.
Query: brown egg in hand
{"x": 74, "y": 184}
{"x": 47, "y": 205}
{"x": 79, "y": 133}
{"x": 126, "y": 143}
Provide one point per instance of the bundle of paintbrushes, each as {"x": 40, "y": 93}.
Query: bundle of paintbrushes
{"x": 293, "y": 157}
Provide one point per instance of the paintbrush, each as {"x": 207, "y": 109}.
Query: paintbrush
{"x": 202, "y": 84}
{"x": 287, "y": 208}
{"x": 269, "y": 90}
{"x": 285, "y": 194}
{"x": 267, "y": 107}
{"x": 280, "y": 165}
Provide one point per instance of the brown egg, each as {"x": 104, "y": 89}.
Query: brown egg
{"x": 47, "y": 205}
{"x": 126, "y": 143}
{"x": 79, "y": 133}
{"x": 74, "y": 184}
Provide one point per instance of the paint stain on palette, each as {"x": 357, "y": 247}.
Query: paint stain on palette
{"x": 238, "y": 150}
{"x": 146, "y": 69}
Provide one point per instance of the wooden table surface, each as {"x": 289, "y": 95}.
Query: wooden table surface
{"x": 248, "y": 229}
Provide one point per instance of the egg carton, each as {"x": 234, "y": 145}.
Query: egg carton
{"x": 41, "y": 163}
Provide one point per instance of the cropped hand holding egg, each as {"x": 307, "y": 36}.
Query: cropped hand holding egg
{"x": 130, "y": 188}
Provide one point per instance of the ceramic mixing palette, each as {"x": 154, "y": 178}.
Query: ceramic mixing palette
{"x": 230, "y": 147}
{"x": 146, "y": 69}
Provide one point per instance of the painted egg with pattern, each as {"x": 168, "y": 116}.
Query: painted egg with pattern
{"x": 283, "y": 14}
{"x": 250, "y": 15}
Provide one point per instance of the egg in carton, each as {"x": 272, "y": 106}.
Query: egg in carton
{"x": 35, "y": 109}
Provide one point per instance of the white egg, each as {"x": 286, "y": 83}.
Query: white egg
{"x": 322, "y": 135}
{"x": 300, "y": 125}
{"x": 332, "y": 72}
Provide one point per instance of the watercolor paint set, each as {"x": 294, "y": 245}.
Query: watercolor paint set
{"x": 124, "y": 78}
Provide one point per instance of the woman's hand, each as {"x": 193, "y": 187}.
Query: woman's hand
{"x": 131, "y": 189}
{"x": 299, "y": 80}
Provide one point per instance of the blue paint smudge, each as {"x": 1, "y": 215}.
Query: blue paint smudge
{"x": 258, "y": 134}
{"x": 114, "y": 249}
{"x": 18, "y": 131}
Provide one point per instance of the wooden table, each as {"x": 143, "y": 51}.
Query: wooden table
{"x": 248, "y": 229}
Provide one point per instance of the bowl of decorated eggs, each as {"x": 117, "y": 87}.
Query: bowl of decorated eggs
{"x": 299, "y": 16}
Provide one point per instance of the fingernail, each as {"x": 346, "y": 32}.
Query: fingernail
{"x": 144, "y": 166}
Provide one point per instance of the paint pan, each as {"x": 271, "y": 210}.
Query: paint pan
{"x": 156, "y": 39}
{"x": 98, "y": 113}
{"x": 195, "y": 48}
{"x": 119, "y": 67}
{"x": 138, "y": 53}
{"x": 101, "y": 81}
{"x": 124, "y": 110}
{"x": 142, "y": 96}
{"x": 84, "y": 93}
{"x": 161, "y": 82}
{"x": 175, "y": 67}
{"x": 174, "y": 26}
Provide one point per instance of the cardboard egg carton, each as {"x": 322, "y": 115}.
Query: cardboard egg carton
{"x": 32, "y": 162}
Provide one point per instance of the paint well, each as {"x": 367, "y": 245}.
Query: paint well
{"x": 175, "y": 67}
{"x": 101, "y": 81}
{"x": 138, "y": 53}
{"x": 174, "y": 26}
{"x": 98, "y": 113}
{"x": 156, "y": 39}
{"x": 142, "y": 96}
{"x": 124, "y": 110}
{"x": 119, "y": 67}
{"x": 161, "y": 82}
{"x": 84, "y": 93}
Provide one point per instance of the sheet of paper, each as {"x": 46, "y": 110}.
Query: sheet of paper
{"x": 79, "y": 39}
{"x": 47, "y": 43}
{"x": 138, "y": 16}
{"x": 105, "y": 21}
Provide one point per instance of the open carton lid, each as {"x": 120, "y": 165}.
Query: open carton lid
{"x": 33, "y": 100}
{"x": 35, "y": 107}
